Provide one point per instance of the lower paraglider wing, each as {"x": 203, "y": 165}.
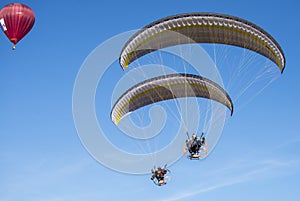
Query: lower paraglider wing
{"x": 168, "y": 87}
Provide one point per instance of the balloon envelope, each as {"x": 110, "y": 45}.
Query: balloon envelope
{"x": 16, "y": 21}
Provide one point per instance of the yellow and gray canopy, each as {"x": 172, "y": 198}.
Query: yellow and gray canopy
{"x": 168, "y": 87}
{"x": 201, "y": 28}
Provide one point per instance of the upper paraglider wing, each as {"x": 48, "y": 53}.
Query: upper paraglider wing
{"x": 16, "y": 21}
{"x": 168, "y": 87}
{"x": 201, "y": 28}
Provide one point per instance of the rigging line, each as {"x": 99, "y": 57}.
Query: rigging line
{"x": 176, "y": 103}
{"x": 248, "y": 66}
{"x": 185, "y": 87}
{"x": 207, "y": 117}
{"x": 172, "y": 112}
{"x": 134, "y": 141}
{"x": 130, "y": 129}
{"x": 272, "y": 79}
{"x": 140, "y": 120}
{"x": 208, "y": 105}
{"x": 220, "y": 56}
{"x": 242, "y": 65}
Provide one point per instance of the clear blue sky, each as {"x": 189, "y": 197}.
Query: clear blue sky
{"x": 42, "y": 158}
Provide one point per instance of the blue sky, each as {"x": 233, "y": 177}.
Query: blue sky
{"x": 42, "y": 157}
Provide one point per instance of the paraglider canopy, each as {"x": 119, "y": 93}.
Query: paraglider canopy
{"x": 168, "y": 87}
{"x": 201, "y": 28}
{"x": 16, "y": 21}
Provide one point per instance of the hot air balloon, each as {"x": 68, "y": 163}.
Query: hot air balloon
{"x": 16, "y": 21}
